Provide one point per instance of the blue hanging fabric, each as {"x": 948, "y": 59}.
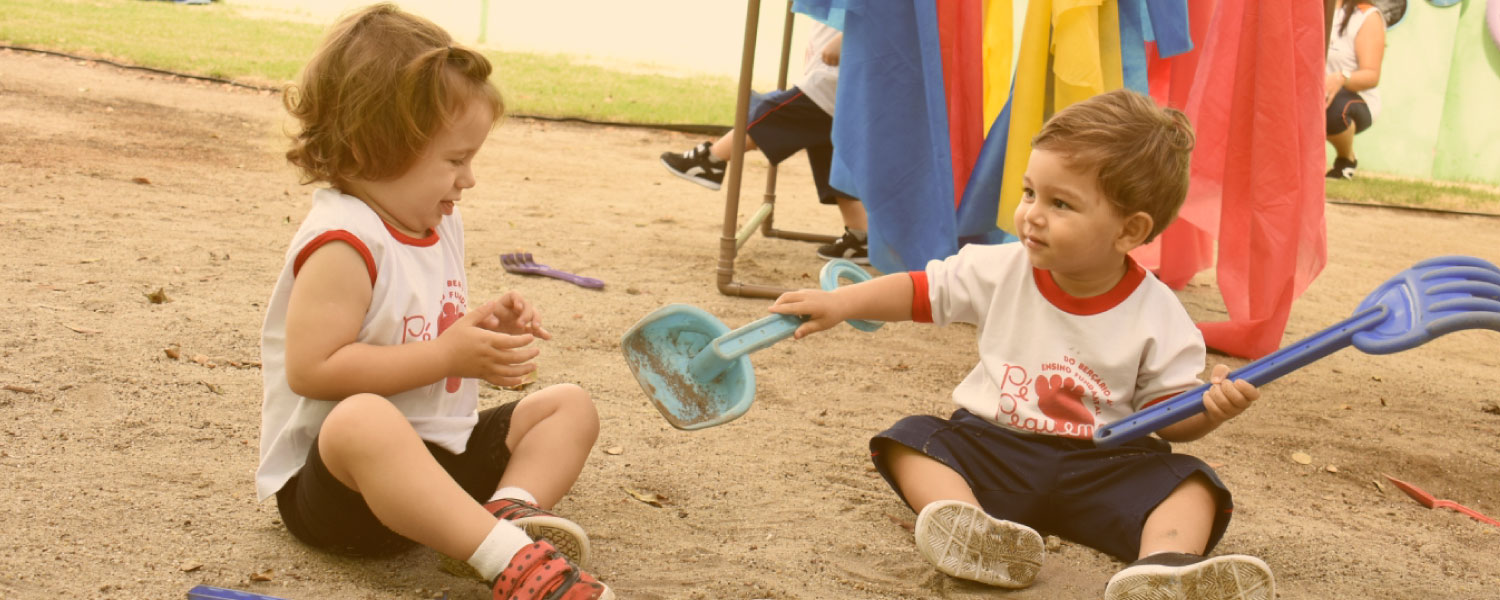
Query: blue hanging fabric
{"x": 890, "y": 136}
{"x": 1168, "y": 26}
{"x": 979, "y": 209}
{"x": 1133, "y": 37}
{"x": 827, "y": 12}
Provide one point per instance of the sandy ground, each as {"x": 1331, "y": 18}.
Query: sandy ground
{"x": 128, "y": 473}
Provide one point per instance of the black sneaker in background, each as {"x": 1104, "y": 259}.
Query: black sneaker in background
{"x": 1343, "y": 168}
{"x": 696, "y": 165}
{"x": 848, "y": 247}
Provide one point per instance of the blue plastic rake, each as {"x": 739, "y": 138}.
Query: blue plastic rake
{"x": 696, "y": 371}
{"x": 1433, "y": 297}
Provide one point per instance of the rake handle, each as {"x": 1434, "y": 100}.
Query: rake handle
{"x": 1258, "y": 373}
{"x": 588, "y": 282}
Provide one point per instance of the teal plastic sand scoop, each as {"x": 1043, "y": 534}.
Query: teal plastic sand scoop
{"x": 696, "y": 371}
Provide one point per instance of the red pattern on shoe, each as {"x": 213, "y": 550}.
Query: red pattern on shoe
{"x": 564, "y": 535}
{"x": 540, "y": 572}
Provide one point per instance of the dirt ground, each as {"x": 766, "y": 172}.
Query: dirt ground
{"x": 128, "y": 473}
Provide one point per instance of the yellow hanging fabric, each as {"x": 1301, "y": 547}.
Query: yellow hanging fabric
{"x": 1110, "y": 60}
{"x": 1025, "y": 107}
{"x": 1075, "y": 52}
{"x": 998, "y": 36}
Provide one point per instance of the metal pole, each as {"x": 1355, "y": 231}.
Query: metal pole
{"x": 727, "y": 242}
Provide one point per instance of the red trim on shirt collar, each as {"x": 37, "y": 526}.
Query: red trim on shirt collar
{"x": 421, "y": 242}
{"x": 1134, "y": 275}
{"x": 921, "y": 305}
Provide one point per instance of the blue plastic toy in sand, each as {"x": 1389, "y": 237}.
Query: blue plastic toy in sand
{"x": 696, "y": 371}
{"x": 1433, "y": 297}
{"x": 204, "y": 592}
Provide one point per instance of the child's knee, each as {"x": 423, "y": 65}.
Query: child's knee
{"x": 571, "y": 403}
{"x": 1196, "y": 490}
{"x": 360, "y": 415}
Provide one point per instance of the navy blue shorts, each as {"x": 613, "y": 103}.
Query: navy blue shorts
{"x": 325, "y": 514}
{"x": 1098, "y": 497}
{"x": 785, "y": 121}
{"x": 1347, "y": 109}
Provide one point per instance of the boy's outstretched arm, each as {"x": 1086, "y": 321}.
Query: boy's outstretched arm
{"x": 885, "y": 298}
{"x": 329, "y": 300}
{"x": 1223, "y": 401}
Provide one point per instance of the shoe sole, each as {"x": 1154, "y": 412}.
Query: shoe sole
{"x": 962, "y": 541}
{"x": 1217, "y": 578}
{"x": 565, "y": 535}
{"x": 703, "y": 182}
{"x": 859, "y": 260}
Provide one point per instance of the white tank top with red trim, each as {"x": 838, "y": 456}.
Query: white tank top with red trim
{"x": 419, "y": 290}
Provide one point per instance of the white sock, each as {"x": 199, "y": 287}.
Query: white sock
{"x": 495, "y": 552}
{"x": 859, "y": 234}
{"x": 513, "y": 493}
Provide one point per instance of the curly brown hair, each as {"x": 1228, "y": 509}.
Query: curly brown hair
{"x": 1139, "y": 151}
{"x": 377, "y": 90}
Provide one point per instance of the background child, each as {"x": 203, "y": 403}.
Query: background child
{"x": 781, "y": 123}
{"x": 1073, "y": 335}
{"x": 370, "y": 439}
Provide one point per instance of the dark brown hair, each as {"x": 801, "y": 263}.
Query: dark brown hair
{"x": 1139, "y": 151}
{"x": 377, "y": 90}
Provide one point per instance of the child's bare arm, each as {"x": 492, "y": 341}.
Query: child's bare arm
{"x": 1223, "y": 401}
{"x": 329, "y": 300}
{"x": 832, "y": 50}
{"x": 886, "y": 298}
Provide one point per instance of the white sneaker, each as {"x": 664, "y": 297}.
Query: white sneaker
{"x": 1177, "y": 576}
{"x": 961, "y": 540}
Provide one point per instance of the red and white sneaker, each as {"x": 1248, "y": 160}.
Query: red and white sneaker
{"x": 540, "y": 572}
{"x": 566, "y": 536}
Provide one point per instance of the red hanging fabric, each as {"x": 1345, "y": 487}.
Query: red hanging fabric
{"x": 1257, "y": 106}
{"x": 961, "y": 41}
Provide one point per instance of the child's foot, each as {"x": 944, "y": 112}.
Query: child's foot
{"x": 696, "y": 165}
{"x": 539, "y": 524}
{"x": 962, "y": 541}
{"x": 540, "y": 572}
{"x": 848, "y": 247}
{"x": 1343, "y": 168}
{"x": 1174, "y": 576}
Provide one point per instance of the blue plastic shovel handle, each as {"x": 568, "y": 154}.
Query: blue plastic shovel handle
{"x": 719, "y": 354}
{"x": 1258, "y": 373}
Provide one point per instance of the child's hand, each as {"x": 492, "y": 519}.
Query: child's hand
{"x": 821, "y": 309}
{"x": 476, "y": 349}
{"x": 515, "y": 316}
{"x": 1225, "y": 399}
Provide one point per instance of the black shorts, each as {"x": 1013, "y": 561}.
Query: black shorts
{"x": 325, "y": 514}
{"x": 1098, "y": 497}
{"x": 1347, "y": 108}
{"x": 785, "y": 121}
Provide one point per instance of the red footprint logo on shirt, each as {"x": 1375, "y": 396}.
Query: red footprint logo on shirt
{"x": 1062, "y": 399}
{"x": 450, "y": 316}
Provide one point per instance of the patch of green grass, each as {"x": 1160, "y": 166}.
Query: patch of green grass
{"x": 212, "y": 40}
{"x": 1366, "y": 189}
{"x": 221, "y": 41}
